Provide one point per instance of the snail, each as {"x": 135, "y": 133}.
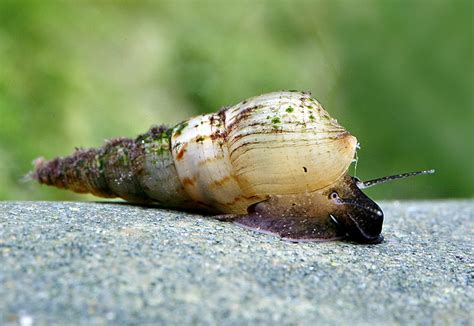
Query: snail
{"x": 276, "y": 163}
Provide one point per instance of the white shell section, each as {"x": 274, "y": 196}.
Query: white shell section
{"x": 274, "y": 144}
{"x": 286, "y": 143}
{"x": 203, "y": 165}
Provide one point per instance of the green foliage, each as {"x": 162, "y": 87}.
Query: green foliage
{"x": 397, "y": 74}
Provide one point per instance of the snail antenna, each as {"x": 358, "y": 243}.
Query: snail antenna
{"x": 370, "y": 183}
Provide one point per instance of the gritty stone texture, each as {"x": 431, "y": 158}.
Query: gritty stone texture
{"x": 106, "y": 263}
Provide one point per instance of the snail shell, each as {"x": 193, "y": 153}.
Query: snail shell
{"x": 273, "y": 144}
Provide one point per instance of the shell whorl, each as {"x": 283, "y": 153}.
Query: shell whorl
{"x": 138, "y": 170}
{"x": 273, "y": 144}
{"x": 278, "y": 143}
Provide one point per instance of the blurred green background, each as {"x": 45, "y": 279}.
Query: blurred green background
{"x": 397, "y": 74}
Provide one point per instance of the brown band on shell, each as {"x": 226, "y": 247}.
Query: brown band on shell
{"x": 188, "y": 181}
{"x": 221, "y": 182}
{"x": 242, "y": 115}
{"x": 209, "y": 160}
{"x": 181, "y": 152}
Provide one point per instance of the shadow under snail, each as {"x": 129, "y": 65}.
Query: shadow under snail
{"x": 276, "y": 163}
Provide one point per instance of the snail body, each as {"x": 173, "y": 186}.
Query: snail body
{"x": 272, "y": 162}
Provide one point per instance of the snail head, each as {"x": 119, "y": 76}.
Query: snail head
{"x": 358, "y": 215}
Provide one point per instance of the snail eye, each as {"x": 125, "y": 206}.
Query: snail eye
{"x": 334, "y": 195}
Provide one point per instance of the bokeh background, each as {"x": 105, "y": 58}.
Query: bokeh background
{"x": 397, "y": 74}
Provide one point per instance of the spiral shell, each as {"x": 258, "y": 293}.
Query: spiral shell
{"x": 279, "y": 143}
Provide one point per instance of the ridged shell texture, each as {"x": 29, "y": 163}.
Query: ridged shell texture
{"x": 277, "y": 143}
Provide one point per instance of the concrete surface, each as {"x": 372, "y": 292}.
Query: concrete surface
{"x": 105, "y": 263}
